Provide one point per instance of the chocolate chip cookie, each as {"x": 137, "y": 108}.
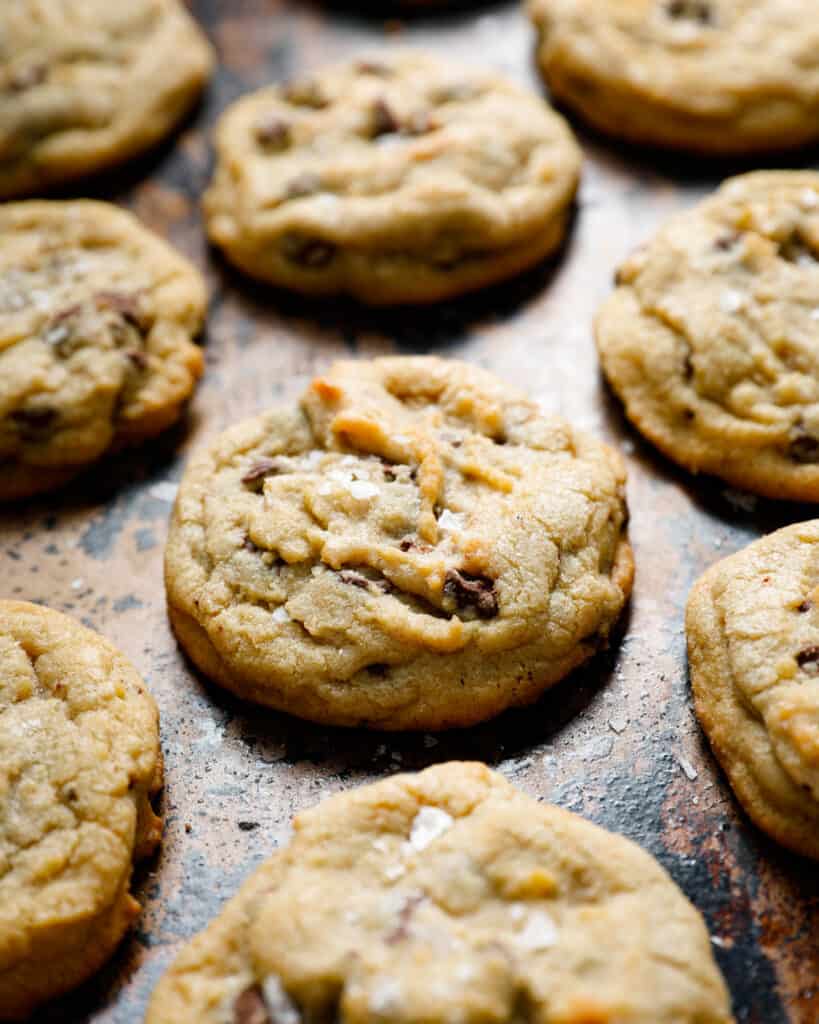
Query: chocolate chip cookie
{"x": 85, "y": 84}
{"x": 96, "y": 320}
{"x": 711, "y": 338}
{"x": 753, "y": 646}
{"x": 449, "y": 896}
{"x": 414, "y": 546}
{"x": 400, "y": 178}
{"x": 79, "y": 764}
{"x": 709, "y": 76}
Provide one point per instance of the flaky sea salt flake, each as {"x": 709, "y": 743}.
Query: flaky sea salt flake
{"x": 429, "y": 824}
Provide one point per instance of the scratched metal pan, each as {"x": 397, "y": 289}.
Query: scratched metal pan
{"x": 617, "y": 742}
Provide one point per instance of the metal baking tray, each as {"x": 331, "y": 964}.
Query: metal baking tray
{"x": 616, "y": 742}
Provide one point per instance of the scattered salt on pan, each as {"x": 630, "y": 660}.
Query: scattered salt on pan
{"x": 689, "y": 770}
{"x": 450, "y": 521}
{"x": 362, "y": 490}
{"x": 280, "y": 614}
{"x": 731, "y": 301}
{"x": 539, "y": 932}
{"x": 618, "y": 724}
{"x": 428, "y": 825}
{"x": 279, "y": 1005}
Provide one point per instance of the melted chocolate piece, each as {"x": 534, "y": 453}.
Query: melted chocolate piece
{"x": 312, "y": 253}
{"x": 273, "y": 133}
{"x": 476, "y": 592}
{"x": 305, "y": 94}
{"x": 808, "y": 659}
{"x": 803, "y": 447}
{"x": 383, "y": 121}
{"x": 700, "y": 11}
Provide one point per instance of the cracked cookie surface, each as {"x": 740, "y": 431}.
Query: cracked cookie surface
{"x": 79, "y": 763}
{"x": 397, "y": 179}
{"x": 753, "y": 643}
{"x": 86, "y": 85}
{"x": 449, "y": 896}
{"x": 710, "y": 76}
{"x": 415, "y": 546}
{"x": 710, "y": 338}
{"x": 96, "y": 319}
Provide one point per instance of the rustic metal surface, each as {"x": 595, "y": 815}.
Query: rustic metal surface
{"x": 617, "y": 742}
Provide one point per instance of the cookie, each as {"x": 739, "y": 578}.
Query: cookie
{"x": 717, "y": 77}
{"x": 753, "y": 647}
{"x": 415, "y": 546}
{"x": 96, "y": 320}
{"x": 85, "y": 85}
{"x": 449, "y": 896}
{"x": 79, "y": 764}
{"x": 710, "y": 338}
{"x": 400, "y": 178}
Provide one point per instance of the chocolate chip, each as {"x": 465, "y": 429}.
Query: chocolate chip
{"x": 690, "y": 10}
{"x": 247, "y": 826}
{"x": 306, "y": 184}
{"x": 389, "y": 475}
{"x": 468, "y": 591}
{"x": 308, "y": 252}
{"x": 808, "y": 659}
{"x": 382, "y": 120}
{"x": 305, "y": 94}
{"x": 249, "y": 1008}
{"x": 248, "y": 545}
{"x": 803, "y": 446}
{"x": 273, "y": 133}
{"x": 35, "y": 422}
{"x": 806, "y": 605}
{"x": 259, "y": 470}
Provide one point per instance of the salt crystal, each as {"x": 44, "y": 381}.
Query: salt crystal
{"x": 385, "y": 996}
{"x": 517, "y": 911}
{"x": 618, "y": 724}
{"x": 280, "y": 614}
{"x": 429, "y": 824}
{"x": 809, "y": 199}
{"x": 731, "y": 301}
{"x": 394, "y": 871}
{"x": 539, "y": 932}
{"x": 689, "y": 770}
{"x": 279, "y": 1005}
{"x": 362, "y": 490}
{"x": 164, "y": 491}
{"x": 814, "y": 315}
{"x": 450, "y": 521}
{"x": 77, "y": 584}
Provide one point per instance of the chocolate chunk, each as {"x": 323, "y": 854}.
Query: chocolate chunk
{"x": 306, "y": 184}
{"x": 803, "y": 446}
{"x": 259, "y": 470}
{"x": 312, "y": 253}
{"x": 727, "y": 241}
{"x": 806, "y": 605}
{"x": 382, "y": 120}
{"x": 249, "y": 1008}
{"x": 690, "y": 10}
{"x": 126, "y": 305}
{"x": 477, "y": 592}
{"x": 808, "y": 659}
{"x": 34, "y": 422}
{"x": 305, "y": 94}
{"x": 373, "y": 67}
{"x": 273, "y": 133}
{"x": 354, "y": 579}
